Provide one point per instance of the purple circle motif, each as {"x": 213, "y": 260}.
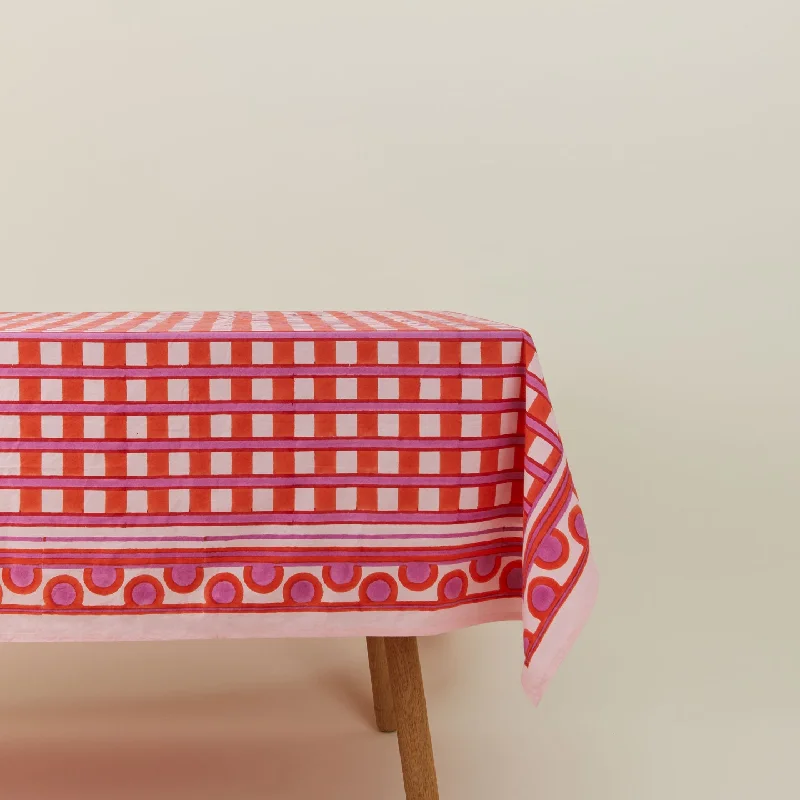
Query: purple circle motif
{"x": 453, "y": 587}
{"x": 262, "y": 574}
{"x": 223, "y": 592}
{"x": 379, "y": 591}
{"x": 418, "y": 572}
{"x": 342, "y": 573}
{"x": 485, "y": 564}
{"x": 514, "y": 579}
{"x": 22, "y": 576}
{"x": 303, "y": 592}
{"x": 144, "y": 594}
{"x": 550, "y": 549}
{"x": 542, "y": 597}
{"x": 580, "y": 526}
{"x": 103, "y": 577}
{"x": 184, "y": 574}
{"x": 63, "y": 594}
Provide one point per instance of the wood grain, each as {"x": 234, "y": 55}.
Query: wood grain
{"x": 381, "y": 685}
{"x": 413, "y": 733}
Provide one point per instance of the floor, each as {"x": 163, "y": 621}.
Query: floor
{"x": 292, "y": 719}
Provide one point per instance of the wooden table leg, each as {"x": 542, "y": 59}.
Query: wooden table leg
{"x": 381, "y": 687}
{"x": 413, "y": 734}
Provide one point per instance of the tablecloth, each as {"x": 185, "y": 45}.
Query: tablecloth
{"x": 258, "y": 474}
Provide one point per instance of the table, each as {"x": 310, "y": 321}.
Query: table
{"x": 263, "y": 474}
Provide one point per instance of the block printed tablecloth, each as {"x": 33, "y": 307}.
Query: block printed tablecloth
{"x": 188, "y": 475}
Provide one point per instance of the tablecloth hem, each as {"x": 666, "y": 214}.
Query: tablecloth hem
{"x": 563, "y": 632}
{"x": 140, "y": 627}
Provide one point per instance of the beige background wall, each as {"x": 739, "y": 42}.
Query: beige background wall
{"x": 620, "y": 178}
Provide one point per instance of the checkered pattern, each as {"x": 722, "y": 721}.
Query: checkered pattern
{"x": 196, "y": 462}
{"x": 244, "y": 353}
{"x": 242, "y": 322}
{"x": 327, "y": 388}
{"x": 131, "y": 424}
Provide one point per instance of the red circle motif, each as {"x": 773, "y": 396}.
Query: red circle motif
{"x": 327, "y": 577}
{"x": 402, "y": 574}
{"x": 183, "y": 588}
{"x": 447, "y": 595}
{"x": 53, "y": 602}
{"x": 372, "y": 594}
{"x": 35, "y": 583}
{"x": 119, "y": 578}
{"x": 296, "y": 590}
{"x": 216, "y": 594}
{"x": 263, "y": 588}
{"x": 144, "y": 580}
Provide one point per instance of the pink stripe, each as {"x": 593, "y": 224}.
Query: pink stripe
{"x": 262, "y": 371}
{"x": 536, "y": 384}
{"x": 267, "y": 518}
{"x": 534, "y": 469}
{"x": 260, "y": 537}
{"x": 268, "y": 608}
{"x": 231, "y": 481}
{"x": 305, "y": 406}
{"x": 474, "y": 335}
{"x": 310, "y": 443}
{"x": 238, "y": 557}
{"x": 540, "y": 429}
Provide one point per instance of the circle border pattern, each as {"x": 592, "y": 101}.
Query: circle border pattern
{"x": 402, "y": 574}
{"x": 53, "y": 582}
{"x": 263, "y": 588}
{"x": 534, "y": 584}
{"x": 137, "y": 581}
{"x": 369, "y": 580}
{"x": 507, "y": 570}
{"x": 576, "y": 512}
{"x": 30, "y": 588}
{"x": 562, "y": 559}
{"x": 476, "y": 576}
{"x": 455, "y": 573}
{"x": 221, "y": 577}
{"x": 177, "y": 587}
{"x": 119, "y": 579}
{"x": 307, "y": 577}
{"x": 341, "y": 587}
